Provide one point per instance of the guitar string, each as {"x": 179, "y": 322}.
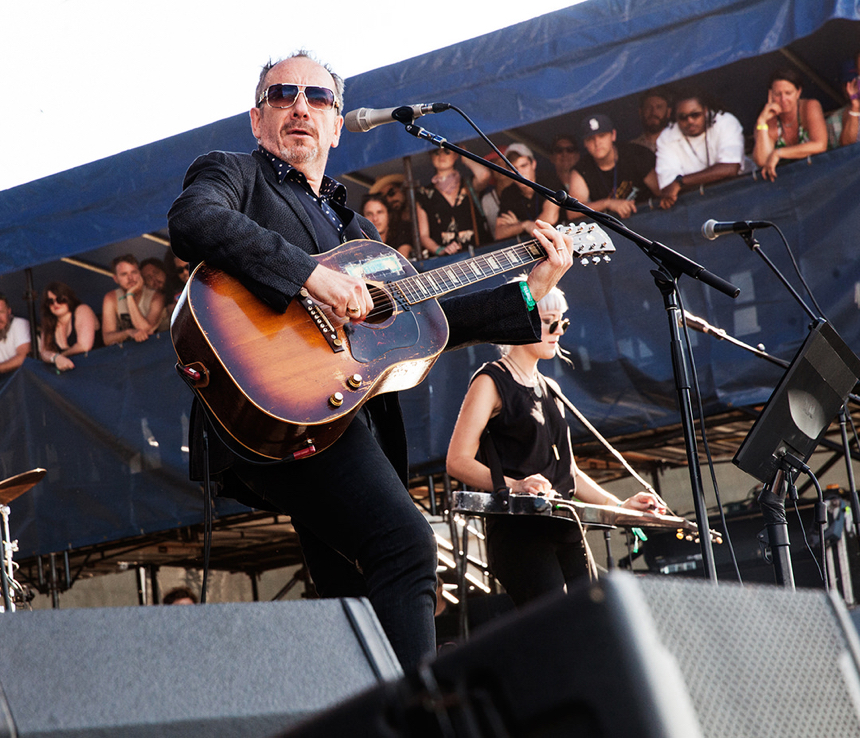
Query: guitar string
{"x": 461, "y": 277}
{"x": 459, "y": 274}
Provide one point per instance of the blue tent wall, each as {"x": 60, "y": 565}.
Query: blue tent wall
{"x": 96, "y": 428}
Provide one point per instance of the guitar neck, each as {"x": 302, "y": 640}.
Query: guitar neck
{"x": 441, "y": 281}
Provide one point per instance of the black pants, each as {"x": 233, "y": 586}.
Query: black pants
{"x": 361, "y": 534}
{"x": 532, "y": 557}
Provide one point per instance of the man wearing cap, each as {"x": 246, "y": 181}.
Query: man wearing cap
{"x": 702, "y": 146}
{"x": 611, "y": 176}
{"x": 520, "y": 206}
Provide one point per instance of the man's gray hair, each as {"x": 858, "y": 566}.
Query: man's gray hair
{"x": 301, "y": 53}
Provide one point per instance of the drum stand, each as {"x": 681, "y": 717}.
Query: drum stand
{"x": 11, "y": 489}
{"x": 7, "y": 578}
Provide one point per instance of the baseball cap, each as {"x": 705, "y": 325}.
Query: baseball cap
{"x": 594, "y": 124}
{"x": 518, "y": 149}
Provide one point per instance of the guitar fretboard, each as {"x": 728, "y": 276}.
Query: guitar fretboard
{"x": 441, "y": 281}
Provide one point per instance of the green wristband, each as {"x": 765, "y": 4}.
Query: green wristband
{"x": 527, "y": 295}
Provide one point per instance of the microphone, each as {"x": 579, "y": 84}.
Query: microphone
{"x": 713, "y": 228}
{"x": 363, "y": 119}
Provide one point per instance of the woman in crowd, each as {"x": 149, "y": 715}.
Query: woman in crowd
{"x": 513, "y": 413}
{"x": 520, "y": 206}
{"x": 449, "y": 214}
{"x": 69, "y": 326}
{"x": 376, "y": 210}
{"x": 177, "y": 275}
{"x": 843, "y": 124}
{"x": 788, "y": 127}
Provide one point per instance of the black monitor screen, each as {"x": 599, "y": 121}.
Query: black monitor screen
{"x": 807, "y": 398}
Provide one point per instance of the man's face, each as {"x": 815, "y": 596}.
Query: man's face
{"x": 5, "y": 315}
{"x": 654, "y": 114}
{"x": 153, "y": 277}
{"x": 526, "y": 166}
{"x": 395, "y": 197}
{"x": 600, "y": 145}
{"x": 565, "y": 156}
{"x": 126, "y": 275}
{"x": 300, "y": 135}
{"x": 691, "y": 115}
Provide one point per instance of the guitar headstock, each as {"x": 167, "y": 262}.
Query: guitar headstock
{"x": 590, "y": 242}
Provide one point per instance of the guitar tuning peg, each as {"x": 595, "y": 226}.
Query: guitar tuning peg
{"x": 584, "y": 261}
{"x": 607, "y": 257}
{"x": 595, "y": 259}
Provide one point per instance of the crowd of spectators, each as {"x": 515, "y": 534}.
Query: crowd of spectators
{"x": 687, "y": 140}
{"x": 138, "y": 307}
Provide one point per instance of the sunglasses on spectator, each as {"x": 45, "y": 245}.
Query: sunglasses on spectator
{"x": 185, "y": 268}
{"x": 56, "y": 300}
{"x": 564, "y": 149}
{"x": 564, "y": 324}
{"x": 285, "y": 96}
{"x": 695, "y": 115}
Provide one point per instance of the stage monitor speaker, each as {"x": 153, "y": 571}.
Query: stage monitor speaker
{"x": 801, "y": 407}
{"x": 647, "y": 656}
{"x": 243, "y": 669}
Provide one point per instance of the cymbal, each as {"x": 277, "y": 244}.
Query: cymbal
{"x": 19, "y": 484}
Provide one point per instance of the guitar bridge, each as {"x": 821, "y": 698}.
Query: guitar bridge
{"x": 322, "y": 322}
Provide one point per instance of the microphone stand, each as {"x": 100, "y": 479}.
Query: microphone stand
{"x": 671, "y": 265}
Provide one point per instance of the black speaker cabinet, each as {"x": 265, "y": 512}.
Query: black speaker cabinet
{"x": 646, "y": 656}
{"x": 249, "y": 669}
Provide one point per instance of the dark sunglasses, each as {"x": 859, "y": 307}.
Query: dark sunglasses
{"x": 285, "y": 96}
{"x": 564, "y": 324}
{"x": 55, "y": 300}
{"x": 683, "y": 117}
{"x": 185, "y": 268}
{"x": 564, "y": 150}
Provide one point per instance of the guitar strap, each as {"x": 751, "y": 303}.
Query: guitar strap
{"x": 490, "y": 457}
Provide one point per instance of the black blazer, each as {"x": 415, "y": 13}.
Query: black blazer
{"x": 233, "y": 214}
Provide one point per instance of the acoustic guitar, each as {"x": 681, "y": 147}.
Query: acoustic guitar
{"x": 280, "y": 386}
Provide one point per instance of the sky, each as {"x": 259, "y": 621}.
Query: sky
{"x": 86, "y": 79}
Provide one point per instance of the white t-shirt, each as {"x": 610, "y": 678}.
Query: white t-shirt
{"x": 721, "y": 143}
{"x": 19, "y": 333}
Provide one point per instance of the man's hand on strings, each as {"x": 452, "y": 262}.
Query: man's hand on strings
{"x": 347, "y": 296}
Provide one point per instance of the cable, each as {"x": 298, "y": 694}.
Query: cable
{"x": 798, "y": 272}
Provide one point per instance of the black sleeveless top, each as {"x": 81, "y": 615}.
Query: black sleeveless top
{"x": 530, "y": 433}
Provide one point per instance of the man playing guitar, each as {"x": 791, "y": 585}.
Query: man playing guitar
{"x": 260, "y": 217}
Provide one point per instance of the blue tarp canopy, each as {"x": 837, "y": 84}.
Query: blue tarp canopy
{"x": 530, "y": 77}
{"x": 94, "y": 428}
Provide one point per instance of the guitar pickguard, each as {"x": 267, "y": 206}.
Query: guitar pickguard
{"x": 368, "y": 342}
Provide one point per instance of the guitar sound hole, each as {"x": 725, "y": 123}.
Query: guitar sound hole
{"x": 383, "y": 305}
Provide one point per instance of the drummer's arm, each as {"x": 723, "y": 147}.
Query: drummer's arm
{"x": 588, "y": 490}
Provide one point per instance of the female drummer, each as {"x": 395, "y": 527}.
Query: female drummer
{"x": 512, "y": 416}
